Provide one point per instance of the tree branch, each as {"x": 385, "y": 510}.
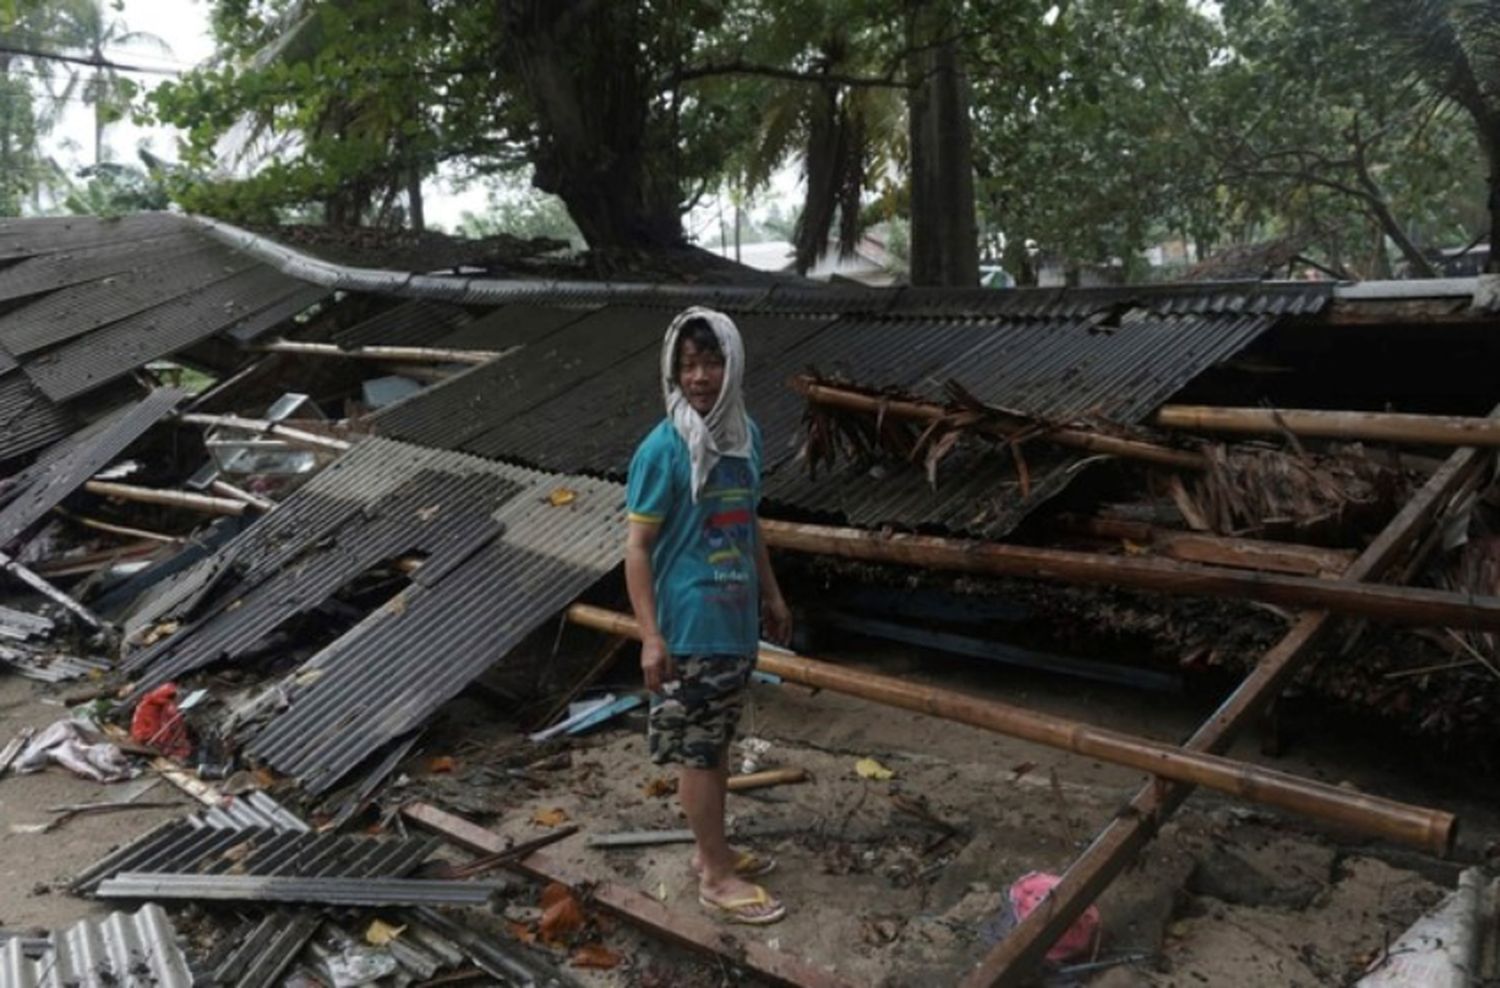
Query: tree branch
{"x": 741, "y": 67}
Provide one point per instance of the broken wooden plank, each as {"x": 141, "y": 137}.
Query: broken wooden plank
{"x": 694, "y": 932}
{"x": 1430, "y": 829}
{"x": 1397, "y": 605}
{"x": 770, "y": 777}
{"x": 640, "y": 838}
{"x": 1379, "y": 427}
{"x": 53, "y": 594}
{"x": 1013, "y": 960}
{"x": 227, "y": 489}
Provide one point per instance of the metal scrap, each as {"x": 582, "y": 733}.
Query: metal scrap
{"x": 323, "y": 891}
{"x": 114, "y": 950}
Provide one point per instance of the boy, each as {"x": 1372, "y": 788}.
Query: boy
{"x": 699, "y": 579}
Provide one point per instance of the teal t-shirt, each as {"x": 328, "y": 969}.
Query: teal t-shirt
{"x": 703, "y": 562}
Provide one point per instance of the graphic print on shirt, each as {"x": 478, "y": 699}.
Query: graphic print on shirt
{"x": 728, "y": 530}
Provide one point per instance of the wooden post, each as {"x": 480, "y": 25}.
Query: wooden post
{"x": 294, "y": 437}
{"x": 174, "y": 499}
{"x": 1399, "y": 605}
{"x": 411, "y": 354}
{"x": 770, "y": 777}
{"x": 1380, "y": 427}
{"x": 1014, "y": 959}
{"x": 1429, "y": 829}
{"x": 922, "y": 411}
{"x": 696, "y": 932}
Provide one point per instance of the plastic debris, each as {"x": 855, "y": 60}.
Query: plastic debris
{"x": 65, "y": 743}
{"x": 158, "y": 722}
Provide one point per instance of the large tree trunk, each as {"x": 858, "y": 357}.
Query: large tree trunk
{"x": 579, "y": 66}
{"x": 416, "y": 215}
{"x": 1490, "y": 141}
{"x": 944, "y": 229}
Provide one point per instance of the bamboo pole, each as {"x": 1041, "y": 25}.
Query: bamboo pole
{"x": 1220, "y": 550}
{"x": 1014, "y": 959}
{"x": 294, "y": 437}
{"x": 89, "y": 562}
{"x": 1382, "y": 427}
{"x": 413, "y": 354}
{"x": 253, "y": 500}
{"x": 176, "y": 499}
{"x": 1431, "y": 830}
{"x": 922, "y": 411}
{"x": 1398, "y": 605}
{"x": 113, "y": 529}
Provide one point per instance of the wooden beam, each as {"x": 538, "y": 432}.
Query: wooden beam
{"x": 928, "y": 412}
{"x": 694, "y": 932}
{"x": 172, "y": 499}
{"x": 1398, "y": 605}
{"x": 1378, "y": 427}
{"x": 292, "y": 436}
{"x": 254, "y": 500}
{"x": 410, "y": 354}
{"x": 1432, "y": 830}
{"x": 1014, "y": 960}
{"x": 113, "y": 529}
{"x": 770, "y": 777}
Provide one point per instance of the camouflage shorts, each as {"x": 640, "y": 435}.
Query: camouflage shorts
{"x": 693, "y": 719}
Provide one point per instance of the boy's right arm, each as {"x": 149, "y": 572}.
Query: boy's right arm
{"x": 656, "y": 663}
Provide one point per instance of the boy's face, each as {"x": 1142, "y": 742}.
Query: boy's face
{"x": 700, "y": 375}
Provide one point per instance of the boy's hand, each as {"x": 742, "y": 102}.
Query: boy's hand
{"x": 656, "y": 663}
{"x": 778, "y": 620}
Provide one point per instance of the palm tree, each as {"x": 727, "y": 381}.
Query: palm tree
{"x": 1452, "y": 47}
{"x": 90, "y": 27}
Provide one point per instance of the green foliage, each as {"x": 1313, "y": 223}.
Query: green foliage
{"x": 517, "y": 211}
{"x": 115, "y": 189}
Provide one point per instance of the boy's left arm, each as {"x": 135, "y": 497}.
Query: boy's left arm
{"x": 774, "y": 612}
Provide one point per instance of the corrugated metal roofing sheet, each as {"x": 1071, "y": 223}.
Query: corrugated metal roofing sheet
{"x": 29, "y": 419}
{"x": 43, "y": 486}
{"x": 511, "y": 325}
{"x": 114, "y": 350}
{"x": 415, "y": 323}
{"x": 453, "y": 414}
{"x": 81, "y": 309}
{"x": 116, "y": 950}
{"x": 46, "y": 235}
{"x": 182, "y": 848}
{"x": 461, "y": 620}
{"x": 51, "y": 272}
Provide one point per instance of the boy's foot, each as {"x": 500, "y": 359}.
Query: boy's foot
{"x": 747, "y": 864}
{"x": 737, "y": 901}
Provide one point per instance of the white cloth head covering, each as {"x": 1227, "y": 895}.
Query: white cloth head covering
{"x": 725, "y": 430}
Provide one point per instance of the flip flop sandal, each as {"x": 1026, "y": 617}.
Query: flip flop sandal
{"x": 751, "y": 865}
{"x": 739, "y": 910}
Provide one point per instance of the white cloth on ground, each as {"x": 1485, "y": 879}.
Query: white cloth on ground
{"x": 66, "y": 743}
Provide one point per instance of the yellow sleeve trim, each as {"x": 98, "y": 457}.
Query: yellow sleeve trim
{"x": 646, "y": 519}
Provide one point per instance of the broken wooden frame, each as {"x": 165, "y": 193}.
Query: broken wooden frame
{"x": 1398, "y": 605}
{"x": 1379, "y": 427}
{"x": 410, "y": 354}
{"x": 1428, "y": 829}
{"x": 694, "y": 932}
{"x": 1014, "y": 959}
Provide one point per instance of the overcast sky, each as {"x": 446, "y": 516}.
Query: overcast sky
{"x": 183, "y": 25}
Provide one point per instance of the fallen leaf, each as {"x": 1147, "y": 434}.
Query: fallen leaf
{"x": 563, "y": 916}
{"x": 441, "y": 764}
{"x": 381, "y": 933}
{"x": 660, "y": 787}
{"x": 521, "y": 931}
{"x": 595, "y": 955}
{"x": 396, "y": 605}
{"x": 869, "y": 768}
{"x": 1134, "y": 548}
{"x": 561, "y": 496}
{"x": 1019, "y": 770}
{"x": 661, "y": 892}
{"x": 554, "y": 817}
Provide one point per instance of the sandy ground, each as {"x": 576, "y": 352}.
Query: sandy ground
{"x": 35, "y": 867}
{"x": 1226, "y": 895}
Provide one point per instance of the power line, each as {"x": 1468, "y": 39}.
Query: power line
{"x": 97, "y": 63}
